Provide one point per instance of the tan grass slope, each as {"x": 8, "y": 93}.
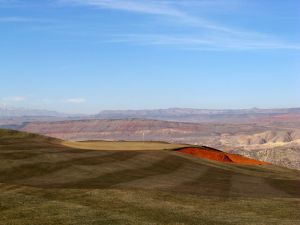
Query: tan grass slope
{"x": 122, "y": 145}
{"x": 43, "y": 181}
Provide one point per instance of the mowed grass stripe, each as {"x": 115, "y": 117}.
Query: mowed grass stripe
{"x": 39, "y": 173}
{"x": 187, "y": 173}
{"x": 165, "y": 166}
{"x": 80, "y": 172}
{"x": 226, "y": 183}
{"x": 18, "y": 158}
{"x": 254, "y": 187}
{"x": 291, "y": 187}
{"x": 14, "y": 159}
{"x": 18, "y": 155}
{"x": 44, "y": 168}
{"x": 209, "y": 183}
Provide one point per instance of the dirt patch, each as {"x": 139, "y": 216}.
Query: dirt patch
{"x": 216, "y": 155}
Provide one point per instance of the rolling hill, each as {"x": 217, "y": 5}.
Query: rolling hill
{"x": 277, "y": 143}
{"x": 47, "y": 181}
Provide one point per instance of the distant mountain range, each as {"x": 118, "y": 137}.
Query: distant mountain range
{"x": 172, "y": 114}
{"x": 12, "y": 117}
{"x": 8, "y": 111}
{"x": 200, "y": 115}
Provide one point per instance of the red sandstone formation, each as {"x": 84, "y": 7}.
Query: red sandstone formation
{"x": 213, "y": 154}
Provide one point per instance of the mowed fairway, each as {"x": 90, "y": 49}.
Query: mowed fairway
{"x": 46, "y": 181}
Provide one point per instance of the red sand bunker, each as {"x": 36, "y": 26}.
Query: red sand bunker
{"x": 213, "y": 154}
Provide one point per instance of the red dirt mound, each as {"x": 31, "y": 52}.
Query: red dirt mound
{"x": 214, "y": 154}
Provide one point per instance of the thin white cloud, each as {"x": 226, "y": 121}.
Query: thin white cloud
{"x": 10, "y": 3}
{"x": 153, "y": 7}
{"x": 7, "y": 1}
{"x": 18, "y": 19}
{"x": 76, "y": 100}
{"x": 190, "y": 42}
{"x": 141, "y": 6}
{"x": 2, "y": 104}
{"x": 14, "y": 19}
{"x": 216, "y": 35}
{"x": 14, "y": 99}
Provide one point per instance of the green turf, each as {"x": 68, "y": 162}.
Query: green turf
{"x": 44, "y": 182}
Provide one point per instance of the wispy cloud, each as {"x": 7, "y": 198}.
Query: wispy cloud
{"x": 153, "y": 7}
{"x": 18, "y": 19}
{"x": 204, "y": 34}
{"x": 14, "y": 19}
{"x": 14, "y": 99}
{"x": 76, "y": 100}
{"x": 141, "y": 6}
{"x": 196, "y": 42}
{"x": 8, "y": 1}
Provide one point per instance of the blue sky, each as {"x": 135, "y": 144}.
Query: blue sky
{"x": 89, "y": 55}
